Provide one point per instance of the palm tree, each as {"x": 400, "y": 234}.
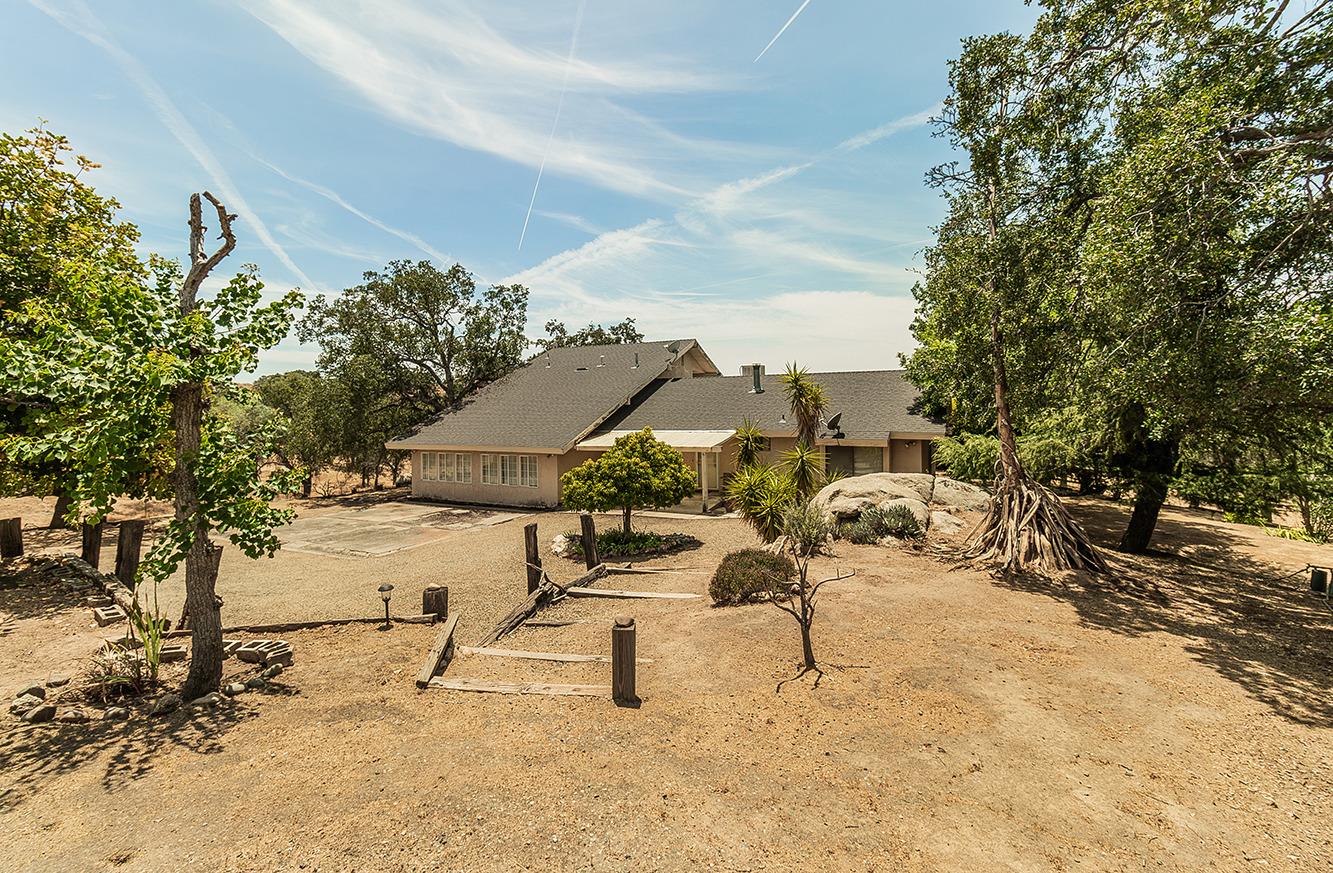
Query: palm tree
{"x": 807, "y": 400}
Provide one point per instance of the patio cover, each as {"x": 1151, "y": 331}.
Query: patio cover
{"x": 685, "y": 440}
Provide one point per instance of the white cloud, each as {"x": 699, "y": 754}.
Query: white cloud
{"x": 449, "y": 74}
{"x": 82, "y": 22}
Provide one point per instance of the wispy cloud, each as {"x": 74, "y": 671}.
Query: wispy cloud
{"x": 578, "y": 222}
{"x": 81, "y": 21}
{"x": 768, "y": 254}
{"x": 332, "y": 196}
{"x": 447, "y": 73}
{"x": 782, "y": 30}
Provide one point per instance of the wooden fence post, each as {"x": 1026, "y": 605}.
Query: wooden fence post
{"x": 11, "y": 537}
{"x": 129, "y": 541}
{"x": 623, "y": 662}
{"x": 435, "y": 601}
{"x": 532, "y": 556}
{"x": 92, "y": 544}
{"x": 589, "y": 532}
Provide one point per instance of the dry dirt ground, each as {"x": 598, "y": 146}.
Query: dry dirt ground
{"x": 1178, "y": 719}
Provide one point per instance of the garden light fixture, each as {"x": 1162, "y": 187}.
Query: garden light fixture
{"x": 386, "y": 591}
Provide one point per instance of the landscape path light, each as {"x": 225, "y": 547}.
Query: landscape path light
{"x": 386, "y": 591}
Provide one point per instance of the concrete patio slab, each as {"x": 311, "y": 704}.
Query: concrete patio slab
{"x": 384, "y": 529}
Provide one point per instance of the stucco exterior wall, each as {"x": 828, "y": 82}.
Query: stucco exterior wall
{"x": 907, "y": 456}
{"x": 546, "y": 494}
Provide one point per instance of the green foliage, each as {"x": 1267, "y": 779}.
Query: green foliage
{"x": 638, "y": 471}
{"x": 804, "y": 468}
{"x": 750, "y": 575}
{"x": 750, "y": 444}
{"x": 876, "y": 523}
{"x": 1142, "y": 227}
{"x": 761, "y": 495}
{"x": 316, "y": 411}
{"x": 615, "y": 543}
{"x": 968, "y": 457}
{"x": 808, "y": 402}
{"x": 558, "y": 336}
{"x": 806, "y": 528}
{"x": 73, "y": 302}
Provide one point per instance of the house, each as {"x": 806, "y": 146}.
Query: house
{"x": 511, "y": 442}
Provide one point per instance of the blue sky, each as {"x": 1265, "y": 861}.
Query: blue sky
{"x": 774, "y": 209}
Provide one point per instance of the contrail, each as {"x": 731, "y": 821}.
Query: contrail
{"x": 84, "y": 24}
{"x": 782, "y": 31}
{"x": 560, "y": 104}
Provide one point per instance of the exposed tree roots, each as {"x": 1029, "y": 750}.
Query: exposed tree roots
{"x": 1028, "y": 529}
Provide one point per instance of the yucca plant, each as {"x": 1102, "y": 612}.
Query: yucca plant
{"x": 804, "y": 466}
{"x": 762, "y": 496}
{"x": 808, "y": 402}
{"x": 750, "y": 443}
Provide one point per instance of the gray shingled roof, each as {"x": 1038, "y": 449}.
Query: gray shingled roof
{"x": 873, "y": 403}
{"x": 550, "y": 407}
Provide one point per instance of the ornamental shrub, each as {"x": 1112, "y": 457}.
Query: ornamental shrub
{"x": 748, "y": 575}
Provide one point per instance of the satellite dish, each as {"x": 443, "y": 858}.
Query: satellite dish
{"x": 832, "y": 423}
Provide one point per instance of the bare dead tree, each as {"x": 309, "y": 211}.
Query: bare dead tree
{"x": 202, "y": 604}
{"x": 805, "y": 530}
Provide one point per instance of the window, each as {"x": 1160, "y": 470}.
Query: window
{"x": 446, "y": 467}
{"x": 509, "y": 470}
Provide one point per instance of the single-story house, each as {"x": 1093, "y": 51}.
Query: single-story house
{"x": 510, "y": 443}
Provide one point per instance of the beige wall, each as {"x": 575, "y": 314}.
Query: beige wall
{"x": 907, "y": 456}
{"x": 547, "y": 492}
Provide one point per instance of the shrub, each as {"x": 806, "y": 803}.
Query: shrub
{"x": 876, "y": 523}
{"x": 748, "y": 575}
{"x": 616, "y": 543}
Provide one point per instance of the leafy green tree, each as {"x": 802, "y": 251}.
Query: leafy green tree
{"x": 71, "y": 284}
{"x": 314, "y": 411}
{"x": 434, "y": 335}
{"x": 638, "y": 471}
{"x": 558, "y": 336}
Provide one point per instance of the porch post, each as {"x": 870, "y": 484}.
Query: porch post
{"x": 703, "y": 480}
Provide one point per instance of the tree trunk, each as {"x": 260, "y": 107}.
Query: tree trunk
{"x": 58, "y": 522}
{"x": 200, "y": 581}
{"x": 187, "y": 413}
{"x": 1154, "y": 463}
{"x": 306, "y": 485}
{"x": 807, "y": 650}
{"x": 1011, "y": 470}
{"x": 626, "y": 526}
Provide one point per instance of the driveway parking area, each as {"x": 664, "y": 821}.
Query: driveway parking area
{"x": 384, "y": 528}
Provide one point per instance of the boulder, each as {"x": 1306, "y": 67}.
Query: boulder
{"x": 916, "y": 507}
{"x": 115, "y": 713}
{"x": 567, "y": 547}
{"x": 165, "y": 704}
{"x": 34, "y": 690}
{"x": 40, "y": 713}
{"x": 73, "y": 716}
{"x": 848, "y": 497}
{"x": 23, "y": 703}
{"x": 959, "y": 495}
{"x": 944, "y": 523}
{"x": 234, "y": 689}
